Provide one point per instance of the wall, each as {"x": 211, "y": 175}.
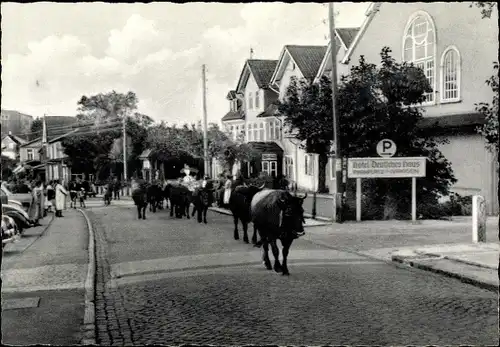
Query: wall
{"x": 23, "y": 152}
{"x": 287, "y": 75}
{"x": 9, "y": 148}
{"x": 251, "y": 87}
{"x": 473, "y": 167}
{"x": 475, "y": 38}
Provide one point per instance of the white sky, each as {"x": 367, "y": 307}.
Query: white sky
{"x": 155, "y": 50}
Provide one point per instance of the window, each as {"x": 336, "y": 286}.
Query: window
{"x": 250, "y": 101}
{"x": 265, "y": 167}
{"x": 308, "y": 167}
{"x": 289, "y": 169}
{"x": 255, "y": 132}
{"x": 273, "y": 169}
{"x": 419, "y": 47}
{"x": 261, "y": 131}
{"x": 257, "y": 99}
{"x": 450, "y": 75}
{"x": 250, "y": 132}
{"x": 29, "y": 154}
{"x": 268, "y": 131}
{"x": 237, "y": 133}
{"x": 277, "y": 130}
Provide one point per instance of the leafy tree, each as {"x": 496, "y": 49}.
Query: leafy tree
{"x": 486, "y": 7}
{"x": 372, "y": 103}
{"x": 100, "y": 145}
{"x": 8, "y": 165}
{"x": 490, "y": 129}
{"x": 36, "y": 128}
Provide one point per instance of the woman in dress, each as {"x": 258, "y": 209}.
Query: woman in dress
{"x": 61, "y": 194}
{"x": 227, "y": 190}
{"x": 34, "y": 209}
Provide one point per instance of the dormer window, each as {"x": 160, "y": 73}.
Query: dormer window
{"x": 293, "y": 66}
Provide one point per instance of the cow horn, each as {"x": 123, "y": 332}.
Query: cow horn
{"x": 262, "y": 186}
{"x": 305, "y": 196}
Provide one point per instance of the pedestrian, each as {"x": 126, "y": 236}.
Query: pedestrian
{"x": 51, "y": 196}
{"x": 73, "y": 192}
{"x": 34, "y": 209}
{"x": 61, "y": 194}
{"x": 227, "y": 190}
{"x": 116, "y": 188}
{"x": 41, "y": 205}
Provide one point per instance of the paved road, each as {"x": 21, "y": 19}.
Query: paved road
{"x": 168, "y": 281}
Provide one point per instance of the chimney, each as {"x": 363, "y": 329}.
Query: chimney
{"x": 251, "y": 53}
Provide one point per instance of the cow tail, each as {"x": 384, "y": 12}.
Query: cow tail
{"x": 258, "y": 244}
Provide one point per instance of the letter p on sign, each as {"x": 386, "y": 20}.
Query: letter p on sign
{"x": 386, "y": 148}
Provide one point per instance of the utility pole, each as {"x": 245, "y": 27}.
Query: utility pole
{"x": 337, "y": 201}
{"x": 124, "y": 126}
{"x": 205, "y": 125}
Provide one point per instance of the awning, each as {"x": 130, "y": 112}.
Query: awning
{"x": 38, "y": 167}
{"x": 453, "y": 121}
{"x": 18, "y": 169}
{"x": 268, "y": 150}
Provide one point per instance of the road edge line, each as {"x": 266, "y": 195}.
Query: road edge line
{"x": 89, "y": 329}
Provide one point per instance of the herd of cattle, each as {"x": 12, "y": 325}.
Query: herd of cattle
{"x": 275, "y": 214}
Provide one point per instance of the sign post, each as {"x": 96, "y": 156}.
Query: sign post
{"x": 399, "y": 167}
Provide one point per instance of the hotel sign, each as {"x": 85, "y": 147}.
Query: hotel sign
{"x": 386, "y": 167}
{"x": 269, "y": 156}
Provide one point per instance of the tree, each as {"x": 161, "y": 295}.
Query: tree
{"x": 490, "y": 129}
{"x": 91, "y": 151}
{"x": 373, "y": 103}
{"x": 8, "y": 165}
{"x": 486, "y": 8}
{"x": 36, "y": 128}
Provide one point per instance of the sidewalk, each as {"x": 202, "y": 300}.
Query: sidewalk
{"x": 43, "y": 296}
{"x": 443, "y": 247}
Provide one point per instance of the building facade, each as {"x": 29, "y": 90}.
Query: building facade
{"x": 15, "y": 122}
{"x": 11, "y": 145}
{"x": 456, "y": 53}
{"x": 29, "y": 152}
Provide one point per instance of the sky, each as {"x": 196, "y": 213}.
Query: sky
{"x": 53, "y": 53}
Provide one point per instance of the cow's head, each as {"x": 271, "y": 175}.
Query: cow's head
{"x": 292, "y": 214}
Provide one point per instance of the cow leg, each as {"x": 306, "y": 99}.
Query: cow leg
{"x": 139, "y": 211}
{"x": 187, "y": 211}
{"x": 286, "y": 248}
{"x": 254, "y": 236}
{"x": 205, "y": 209}
{"x": 276, "y": 254}
{"x": 171, "y": 210}
{"x": 195, "y": 208}
{"x": 154, "y": 206}
{"x": 144, "y": 212}
{"x": 236, "y": 233}
{"x": 265, "y": 251}
{"x": 245, "y": 231}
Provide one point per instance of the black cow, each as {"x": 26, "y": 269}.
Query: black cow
{"x": 277, "y": 214}
{"x": 166, "y": 194}
{"x": 180, "y": 199}
{"x": 239, "y": 204}
{"x": 155, "y": 197}
{"x": 202, "y": 200}
{"x": 140, "y": 197}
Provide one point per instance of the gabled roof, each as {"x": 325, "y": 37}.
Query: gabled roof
{"x": 270, "y": 111}
{"x": 370, "y": 14}
{"x": 32, "y": 142}
{"x": 306, "y": 58}
{"x": 347, "y": 35}
{"x": 261, "y": 70}
{"x": 233, "y": 115}
{"x": 57, "y": 138}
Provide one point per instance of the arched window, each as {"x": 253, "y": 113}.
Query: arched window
{"x": 450, "y": 75}
{"x": 419, "y": 47}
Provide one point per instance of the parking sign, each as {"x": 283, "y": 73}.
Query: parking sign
{"x": 386, "y": 148}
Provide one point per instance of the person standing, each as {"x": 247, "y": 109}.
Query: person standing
{"x": 61, "y": 194}
{"x": 73, "y": 190}
{"x": 34, "y": 209}
{"x": 116, "y": 188}
{"x": 51, "y": 196}
{"x": 227, "y": 190}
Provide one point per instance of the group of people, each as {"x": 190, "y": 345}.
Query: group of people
{"x": 44, "y": 197}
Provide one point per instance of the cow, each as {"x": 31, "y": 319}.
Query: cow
{"x": 166, "y": 194}
{"x": 202, "y": 200}
{"x": 277, "y": 214}
{"x": 180, "y": 199}
{"x": 239, "y": 204}
{"x": 155, "y": 197}
{"x": 140, "y": 197}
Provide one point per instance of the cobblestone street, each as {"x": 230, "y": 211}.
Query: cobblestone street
{"x": 168, "y": 281}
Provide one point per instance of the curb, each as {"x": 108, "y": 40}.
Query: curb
{"x": 89, "y": 333}
{"x": 467, "y": 262}
{"x": 476, "y": 283}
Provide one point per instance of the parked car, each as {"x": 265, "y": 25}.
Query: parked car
{"x": 10, "y": 231}
{"x": 23, "y": 198}
{"x": 19, "y": 215}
